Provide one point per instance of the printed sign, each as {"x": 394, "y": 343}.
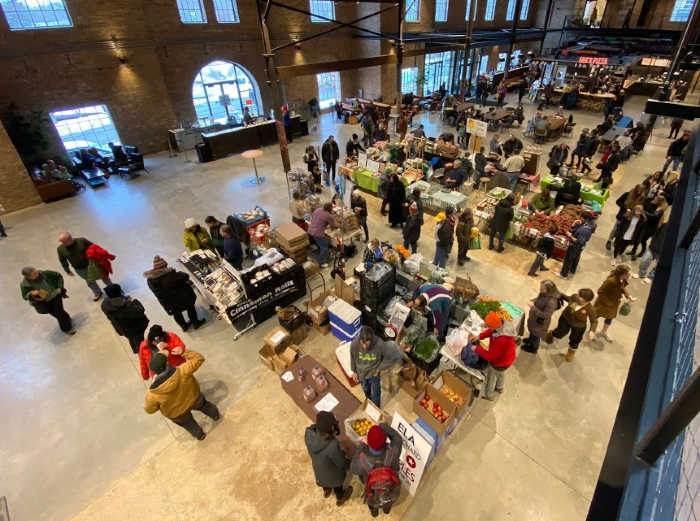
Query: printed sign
{"x": 476, "y": 127}
{"x": 414, "y": 455}
{"x": 593, "y": 60}
{"x": 248, "y": 306}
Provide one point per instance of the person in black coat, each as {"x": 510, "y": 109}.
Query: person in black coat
{"x": 653, "y": 212}
{"x": 330, "y": 155}
{"x": 126, "y": 314}
{"x": 498, "y": 226}
{"x": 173, "y": 291}
{"x": 580, "y": 149}
{"x": 411, "y": 229}
{"x": 396, "y": 195}
{"x": 629, "y": 231}
{"x": 445, "y": 235}
{"x": 545, "y": 246}
{"x": 328, "y": 460}
{"x": 606, "y": 172}
{"x": 353, "y": 147}
{"x": 232, "y": 249}
{"x": 570, "y": 193}
{"x": 557, "y": 157}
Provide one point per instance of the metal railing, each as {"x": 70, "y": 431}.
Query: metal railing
{"x": 651, "y": 469}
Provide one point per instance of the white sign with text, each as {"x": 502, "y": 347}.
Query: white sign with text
{"x": 414, "y": 455}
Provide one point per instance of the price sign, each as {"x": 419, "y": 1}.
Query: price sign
{"x": 476, "y": 127}
{"x": 414, "y": 454}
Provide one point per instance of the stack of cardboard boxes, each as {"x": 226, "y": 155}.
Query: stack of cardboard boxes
{"x": 278, "y": 353}
{"x": 293, "y": 241}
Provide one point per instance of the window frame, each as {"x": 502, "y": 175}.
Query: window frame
{"x": 469, "y": 6}
{"x": 524, "y": 10}
{"x": 42, "y": 11}
{"x": 485, "y": 64}
{"x": 315, "y": 4}
{"x": 411, "y": 71}
{"x": 233, "y": 8}
{"x": 443, "y": 71}
{"x": 56, "y": 113}
{"x": 445, "y": 10}
{"x": 501, "y": 65}
{"x": 202, "y": 12}
{"x": 490, "y": 11}
{"x": 678, "y": 9}
{"x": 338, "y": 96}
{"x": 239, "y": 73}
{"x": 510, "y": 11}
{"x": 411, "y": 3}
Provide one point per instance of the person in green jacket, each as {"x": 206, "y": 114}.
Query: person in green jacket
{"x": 542, "y": 202}
{"x": 217, "y": 241}
{"x": 195, "y": 237}
{"x": 44, "y": 291}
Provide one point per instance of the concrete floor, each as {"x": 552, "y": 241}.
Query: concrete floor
{"x": 75, "y": 438}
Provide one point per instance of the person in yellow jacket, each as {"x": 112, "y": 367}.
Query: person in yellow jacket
{"x": 175, "y": 392}
{"x": 195, "y": 237}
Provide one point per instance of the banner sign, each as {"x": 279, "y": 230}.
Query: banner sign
{"x": 414, "y": 454}
{"x": 474, "y": 126}
{"x": 267, "y": 298}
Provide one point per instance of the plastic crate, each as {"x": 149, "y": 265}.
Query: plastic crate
{"x": 377, "y": 283}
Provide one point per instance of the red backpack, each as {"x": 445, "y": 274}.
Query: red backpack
{"x": 382, "y": 486}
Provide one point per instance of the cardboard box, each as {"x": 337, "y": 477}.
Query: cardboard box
{"x": 344, "y": 291}
{"x": 266, "y": 353}
{"x": 299, "y": 334}
{"x": 278, "y": 339}
{"x": 282, "y": 361}
{"x": 291, "y": 236}
{"x": 456, "y": 385}
{"x": 450, "y": 409}
{"x": 369, "y": 411}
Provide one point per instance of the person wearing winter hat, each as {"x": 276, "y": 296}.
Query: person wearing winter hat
{"x": 175, "y": 392}
{"x": 411, "y": 228}
{"x": 376, "y": 454}
{"x": 195, "y": 237}
{"x": 328, "y": 460}
{"x": 126, "y": 314}
{"x": 159, "y": 340}
{"x": 500, "y": 354}
{"x": 173, "y": 291}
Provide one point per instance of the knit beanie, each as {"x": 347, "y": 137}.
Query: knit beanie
{"x": 376, "y": 438}
{"x": 156, "y": 331}
{"x": 326, "y": 422}
{"x": 158, "y": 363}
{"x": 493, "y": 320}
{"x": 158, "y": 263}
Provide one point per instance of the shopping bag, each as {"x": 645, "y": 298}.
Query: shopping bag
{"x": 625, "y": 309}
{"x": 475, "y": 243}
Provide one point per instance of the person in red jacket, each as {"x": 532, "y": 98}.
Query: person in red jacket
{"x": 500, "y": 354}
{"x": 152, "y": 344}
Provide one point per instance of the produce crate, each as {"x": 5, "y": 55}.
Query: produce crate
{"x": 368, "y": 411}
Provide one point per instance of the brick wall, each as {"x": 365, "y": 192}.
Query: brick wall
{"x": 16, "y": 189}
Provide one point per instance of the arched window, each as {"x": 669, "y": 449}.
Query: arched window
{"x": 221, "y": 90}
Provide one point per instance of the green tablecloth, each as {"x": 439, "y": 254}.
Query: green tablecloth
{"x": 366, "y": 180}
{"x": 591, "y": 195}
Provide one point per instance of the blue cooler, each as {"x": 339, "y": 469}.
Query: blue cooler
{"x": 345, "y": 320}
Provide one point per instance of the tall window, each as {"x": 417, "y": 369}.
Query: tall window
{"x": 516, "y": 58}
{"x": 191, "y": 11}
{"x": 510, "y": 11}
{"x": 226, "y": 11}
{"x": 437, "y": 71}
{"x": 483, "y": 64}
{"x": 35, "y": 14}
{"x": 328, "y": 88}
{"x": 409, "y": 80}
{"x": 412, "y": 10}
{"x": 469, "y": 6}
{"x": 441, "y": 7}
{"x": 501, "y": 61}
{"x": 221, "y": 90}
{"x": 490, "y": 10}
{"x": 85, "y": 127}
{"x": 681, "y": 10}
{"x": 324, "y": 8}
{"x": 524, "y": 8}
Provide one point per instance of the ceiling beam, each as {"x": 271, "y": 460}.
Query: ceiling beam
{"x": 292, "y": 71}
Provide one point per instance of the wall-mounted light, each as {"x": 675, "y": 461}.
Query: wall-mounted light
{"x": 297, "y": 46}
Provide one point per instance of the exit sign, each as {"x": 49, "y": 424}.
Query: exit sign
{"x": 593, "y": 60}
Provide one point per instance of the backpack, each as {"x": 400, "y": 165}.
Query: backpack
{"x": 382, "y": 485}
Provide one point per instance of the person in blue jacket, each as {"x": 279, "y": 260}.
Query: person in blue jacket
{"x": 437, "y": 300}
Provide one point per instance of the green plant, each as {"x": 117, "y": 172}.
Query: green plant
{"x": 26, "y": 132}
